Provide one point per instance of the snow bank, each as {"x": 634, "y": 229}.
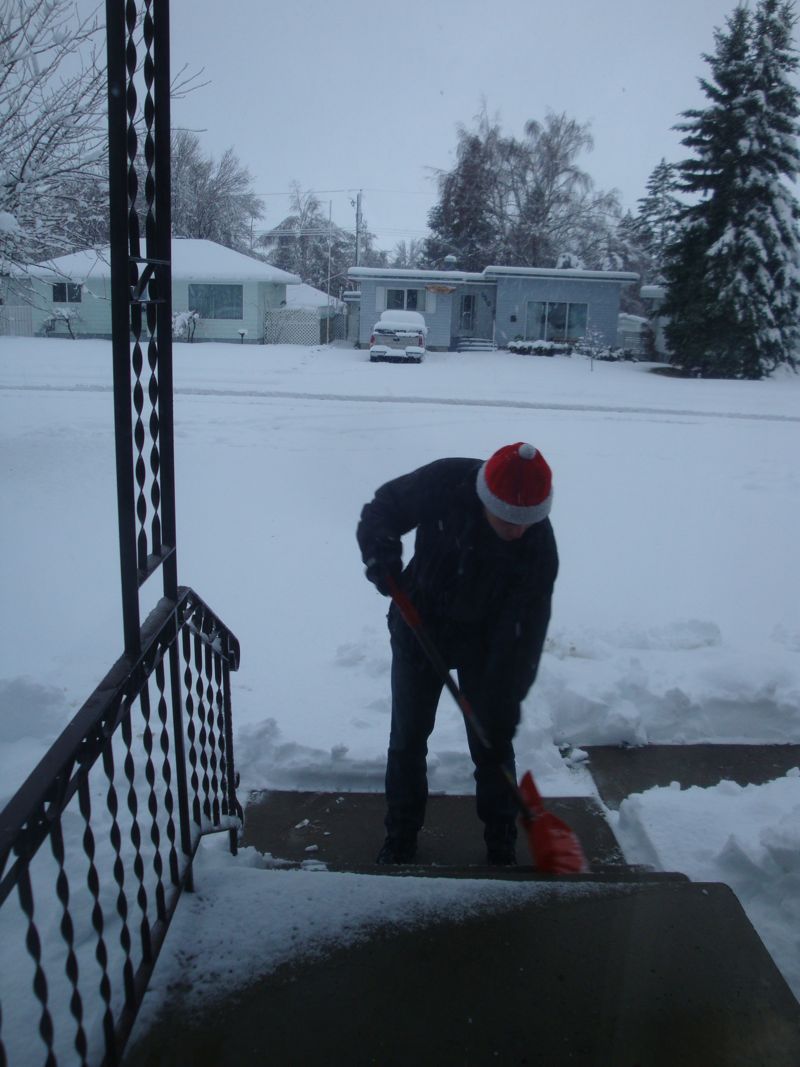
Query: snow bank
{"x": 745, "y": 836}
{"x": 679, "y": 683}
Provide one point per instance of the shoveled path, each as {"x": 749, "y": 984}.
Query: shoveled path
{"x": 345, "y": 830}
{"x": 619, "y": 771}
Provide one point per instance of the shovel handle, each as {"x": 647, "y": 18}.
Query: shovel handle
{"x": 414, "y": 621}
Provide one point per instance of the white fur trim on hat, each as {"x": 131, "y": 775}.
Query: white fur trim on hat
{"x": 520, "y": 516}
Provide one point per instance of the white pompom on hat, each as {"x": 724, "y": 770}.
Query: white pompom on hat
{"x": 516, "y": 484}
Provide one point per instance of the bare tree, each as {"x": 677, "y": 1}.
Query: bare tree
{"x": 523, "y": 201}
{"x": 308, "y": 243}
{"x": 53, "y": 129}
{"x": 300, "y": 241}
{"x": 212, "y": 200}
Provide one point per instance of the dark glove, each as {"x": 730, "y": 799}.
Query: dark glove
{"x": 380, "y": 571}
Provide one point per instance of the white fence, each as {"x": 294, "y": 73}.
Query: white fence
{"x": 634, "y": 341}
{"x": 16, "y": 320}
{"x": 298, "y": 326}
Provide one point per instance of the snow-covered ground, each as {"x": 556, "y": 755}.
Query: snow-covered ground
{"x": 676, "y": 615}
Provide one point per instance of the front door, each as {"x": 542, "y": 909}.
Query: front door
{"x": 466, "y": 319}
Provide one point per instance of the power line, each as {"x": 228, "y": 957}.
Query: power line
{"x": 393, "y": 230}
{"x": 320, "y": 192}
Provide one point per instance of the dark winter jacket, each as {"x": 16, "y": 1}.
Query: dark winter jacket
{"x": 482, "y": 599}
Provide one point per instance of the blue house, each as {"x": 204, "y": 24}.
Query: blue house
{"x": 499, "y": 304}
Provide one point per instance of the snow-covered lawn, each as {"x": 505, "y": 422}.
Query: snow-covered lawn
{"x": 676, "y": 614}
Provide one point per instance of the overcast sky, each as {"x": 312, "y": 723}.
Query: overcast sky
{"x": 367, "y": 95}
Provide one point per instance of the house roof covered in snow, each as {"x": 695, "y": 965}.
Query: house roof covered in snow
{"x": 492, "y": 273}
{"x": 192, "y": 260}
{"x": 562, "y": 272}
{"x": 422, "y": 275}
{"x": 306, "y": 296}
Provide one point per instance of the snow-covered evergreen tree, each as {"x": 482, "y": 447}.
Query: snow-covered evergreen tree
{"x": 656, "y": 222}
{"x": 627, "y": 252}
{"x": 733, "y": 270}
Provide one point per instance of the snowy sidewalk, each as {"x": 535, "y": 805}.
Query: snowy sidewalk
{"x": 620, "y": 771}
{"x": 344, "y": 831}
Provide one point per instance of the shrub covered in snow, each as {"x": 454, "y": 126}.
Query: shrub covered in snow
{"x": 594, "y": 346}
{"x": 540, "y": 348}
{"x": 60, "y": 317}
{"x": 184, "y": 323}
{"x": 605, "y": 353}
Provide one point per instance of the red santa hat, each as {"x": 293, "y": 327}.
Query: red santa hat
{"x": 516, "y": 484}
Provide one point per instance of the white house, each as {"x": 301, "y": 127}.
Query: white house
{"x": 230, "y": 292}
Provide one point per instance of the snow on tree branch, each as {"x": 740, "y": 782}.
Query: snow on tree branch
{"x": 52, "y": 124}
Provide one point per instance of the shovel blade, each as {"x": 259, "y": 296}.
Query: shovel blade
{"x": 554, "y": 846}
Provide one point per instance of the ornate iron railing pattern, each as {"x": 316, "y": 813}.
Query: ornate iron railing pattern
{"x": 146, "y": 766}
{"x": 122, "y": 824}
{"x": 141, "y": 291}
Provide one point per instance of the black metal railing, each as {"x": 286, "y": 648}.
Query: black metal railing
{"x": 141, "y": 296}
{"x": 97, "y": 844}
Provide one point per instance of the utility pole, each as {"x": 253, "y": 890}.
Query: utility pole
{"x": 358, "y": 227}
{"x": 328, "y": 309}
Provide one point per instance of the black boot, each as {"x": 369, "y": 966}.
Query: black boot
{"x": 501, "y": 855}
{"x": 398, "y": 849}
{"x": 500, "y": 838}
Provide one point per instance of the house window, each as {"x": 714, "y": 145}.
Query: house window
{"x": 577, "y": 321}
{"x": 216, "y": 301}
{"x": 467, "y": 321}
{"x": 66, "y": 293}
{"x": 551, "y": 321}
{"x": 405, "y": 299}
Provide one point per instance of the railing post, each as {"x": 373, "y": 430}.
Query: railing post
{"x": 120, "y": 317}
{"x": 163, "y": 253}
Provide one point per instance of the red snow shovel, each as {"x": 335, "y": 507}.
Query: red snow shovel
{"x": 554, "y": 847}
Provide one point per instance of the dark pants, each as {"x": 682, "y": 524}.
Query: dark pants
{"x": 416, "y": 689}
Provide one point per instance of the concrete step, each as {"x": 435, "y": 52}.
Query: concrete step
{"x": 476, "y": 344}
{"x": 345, "y": 831}
{"x": 657, "y": 974}
{"x": 620, "y": 771}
